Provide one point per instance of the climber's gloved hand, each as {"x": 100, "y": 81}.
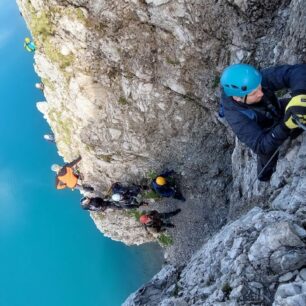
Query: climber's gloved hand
{"x": 295, "y": 108}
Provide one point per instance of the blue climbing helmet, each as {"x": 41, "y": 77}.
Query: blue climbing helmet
{"x": 240, "y": 79}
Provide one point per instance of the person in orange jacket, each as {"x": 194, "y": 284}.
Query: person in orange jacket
{"x": 67, "y": 176}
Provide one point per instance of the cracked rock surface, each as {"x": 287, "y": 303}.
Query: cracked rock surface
{"x": 259, "y": 259}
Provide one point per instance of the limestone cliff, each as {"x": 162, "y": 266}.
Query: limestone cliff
{"x": 132, "y": 86}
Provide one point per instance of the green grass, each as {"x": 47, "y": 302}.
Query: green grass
{"x": 64, "y": 126}
{"x": 77, "y": 13}
{"x": 40, "y": 23}
{"x": 171, "y": 61}
{"x": 106, "y": 158}
{"x": 43, "y": 29}
{"x": 122, "y": 101}
{"x": 176, "y": 290}
{"x": 226, "y": 288}
{"x": 216, "y": 82}
{"x": 151, "y": 195}
{"x": 151, "y": 174}
{"x": 56, "y": 57}
{"x": 134, "y": 213}
{"x": 165, "y": 240}
{"x": 48, "y": 83}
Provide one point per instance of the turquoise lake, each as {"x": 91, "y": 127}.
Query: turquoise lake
{"x": 50, "y": 250}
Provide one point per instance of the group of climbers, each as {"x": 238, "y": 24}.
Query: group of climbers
{"x": 122, "y": 197}
{"x": 257, "y": 117}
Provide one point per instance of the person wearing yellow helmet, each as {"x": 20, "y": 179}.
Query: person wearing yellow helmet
{"x": 29, "y": 45}
{"x": 164, "y": 186}
{"x": 160, "y": 181}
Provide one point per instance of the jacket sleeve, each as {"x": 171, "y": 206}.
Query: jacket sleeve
{"x": 291, "y": 77}
{"x": 256, "y": 138}
{"x": 74, "y": 162}
{"x": 59, "y": 184}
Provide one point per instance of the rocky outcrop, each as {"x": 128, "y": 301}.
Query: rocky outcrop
{"x": 131, "y": 85}
{"x": 247, "y": 263}
{"x": 259, "y": 259}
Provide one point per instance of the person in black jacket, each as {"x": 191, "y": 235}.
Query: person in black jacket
{"x": 126, "y": 196}
{"x": 258, "y": 118}
{"x": 97, "y": 204}
{"x": 157, "y": 221}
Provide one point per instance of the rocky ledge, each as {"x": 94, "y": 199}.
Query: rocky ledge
{"x": 259, "y": 259}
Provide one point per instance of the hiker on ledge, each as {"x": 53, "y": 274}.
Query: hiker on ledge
{"x": 126, "y": 197}
{"x": 97, "y": 204}
{"x": 29, "y": 45}
{"x": 164, "y": 186}
{"x": 156, "y": 220}
{"x": 67, "y": 176}
{"x": 258, "y": 118}
{"x": 40, "y": 86}
{"x": 49, "y": 137}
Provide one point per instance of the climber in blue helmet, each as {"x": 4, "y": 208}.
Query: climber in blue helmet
{"x": 258, "y": 118}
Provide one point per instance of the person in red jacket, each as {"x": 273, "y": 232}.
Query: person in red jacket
{"x": 157, "y": 220}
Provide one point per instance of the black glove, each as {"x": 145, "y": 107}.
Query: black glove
{"x": 295, "y": 110}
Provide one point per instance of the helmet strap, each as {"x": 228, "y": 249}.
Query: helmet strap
{"x": 245, "y": 98}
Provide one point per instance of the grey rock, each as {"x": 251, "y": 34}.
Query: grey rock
{"x": 286, "y": 259}
{"x": 286, "y": 277}
{"x": 288, "y": 290}
{"x": 303, "y": 274}
{"x": 296, "y": 300}
{"x": 271, "y": 238}
{"x": 238, "y": 292}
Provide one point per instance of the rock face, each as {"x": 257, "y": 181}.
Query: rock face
{"x": 132, "y": 86}
{"x": 258, "y": 259}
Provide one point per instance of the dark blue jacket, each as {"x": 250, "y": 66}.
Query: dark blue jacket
{"x": 166, "y": 190}
{"x": 260, "y": 126}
